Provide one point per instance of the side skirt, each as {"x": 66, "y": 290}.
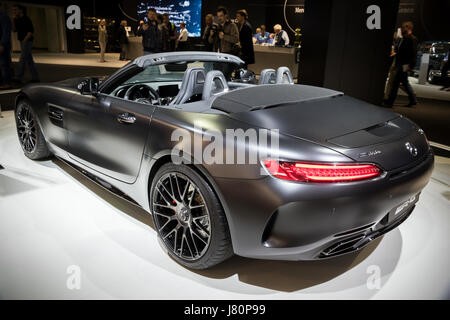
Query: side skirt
{"x": 102, "y": 183}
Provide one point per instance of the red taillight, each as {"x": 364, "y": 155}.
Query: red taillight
{"x": 319, "y": 172}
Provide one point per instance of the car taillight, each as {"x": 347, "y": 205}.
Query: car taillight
{"x": 320, "y": 172}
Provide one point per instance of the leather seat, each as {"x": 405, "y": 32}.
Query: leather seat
{"x": 268, "y": 76}
{"x": 192, "y": 84}
{"x": 284, "y": 76}
{"x": 215, "y": 83}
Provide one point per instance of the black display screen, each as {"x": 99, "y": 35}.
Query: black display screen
{"x": 168, "y": 91}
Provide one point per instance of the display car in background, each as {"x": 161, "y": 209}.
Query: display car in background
{"x": 346, "y": 172}
{"x": 438, "y": 50}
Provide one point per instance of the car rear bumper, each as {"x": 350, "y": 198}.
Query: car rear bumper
{"x": 274, "y": 219}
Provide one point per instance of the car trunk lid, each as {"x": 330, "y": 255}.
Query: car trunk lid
{"x": 347, "y": 125}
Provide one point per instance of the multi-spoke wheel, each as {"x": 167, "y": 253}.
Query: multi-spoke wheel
{"x": 30, "y": 136}
{"x": 189, "y": 218}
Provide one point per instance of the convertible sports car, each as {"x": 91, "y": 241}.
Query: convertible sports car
{"x": 346, "y": 172}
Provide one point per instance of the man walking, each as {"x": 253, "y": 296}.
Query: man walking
{"x": 151, "y": 35}
{"x": 24, "y": 27}
{"x": 405, "y": 60}
{"x": 5, "y": 51}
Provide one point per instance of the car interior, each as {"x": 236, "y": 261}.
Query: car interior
{"x": 190, "y": 86}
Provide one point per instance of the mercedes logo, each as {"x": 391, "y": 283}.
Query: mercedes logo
{"x": 411, "y": 148}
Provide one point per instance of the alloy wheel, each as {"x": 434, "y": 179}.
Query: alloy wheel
{"x": 181, "y": 216}
{"x": 26, "y": 128}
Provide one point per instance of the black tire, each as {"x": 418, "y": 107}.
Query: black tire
{"x": 29, "y": 132}
{"x": 168, "y": 216}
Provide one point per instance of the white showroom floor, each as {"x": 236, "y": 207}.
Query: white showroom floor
{"x": 56, "y": 224}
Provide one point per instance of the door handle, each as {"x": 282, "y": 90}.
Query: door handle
{"x": 126, "y": 118}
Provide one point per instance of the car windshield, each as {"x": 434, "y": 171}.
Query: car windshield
{"x": 174, "y": 72}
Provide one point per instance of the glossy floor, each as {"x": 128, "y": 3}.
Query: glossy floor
{"x": 55, "y": 225}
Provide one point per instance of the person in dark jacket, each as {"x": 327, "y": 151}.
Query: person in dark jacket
{"x": 165, "y": 41}
{"x": 209, "y": 25}
{"x": 24, "y": 27}
{"x": 245, "y": 37}
{"x": 173, "y": 33}
{"x": 405, "y": 60}
{"x": 123, "y": 40}
{"x": 151, "y": 35}
{"x": 5, "y": 51}
{"x": 281, "y": 38}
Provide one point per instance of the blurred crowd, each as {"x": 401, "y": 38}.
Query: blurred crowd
{"x": 23, "y": 26}
{"x": 221, "y": 33}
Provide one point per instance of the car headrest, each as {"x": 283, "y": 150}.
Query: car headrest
{"x": 192, "y": 84}
{"x": 268, "y": 76}
{"x": 284, "y": 76}
{"x": 215, "y": 83}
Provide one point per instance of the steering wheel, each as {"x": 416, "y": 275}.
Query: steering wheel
{"x": 131, "y": 92}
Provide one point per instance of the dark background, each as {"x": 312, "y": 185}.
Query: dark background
{"x": 430, "y": 17}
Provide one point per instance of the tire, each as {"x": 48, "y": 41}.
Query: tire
{"x": 189, "y": 218}
{"x": 29, "y": 132}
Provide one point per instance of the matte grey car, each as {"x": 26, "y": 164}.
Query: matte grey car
{"x": 346, "y": 172}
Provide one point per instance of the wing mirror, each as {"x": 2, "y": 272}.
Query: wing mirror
{"x": 89, "y": 86}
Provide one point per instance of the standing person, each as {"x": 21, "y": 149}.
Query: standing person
{"x": 5, "y": 51}
{"x": 165, "y": 41}
{"x": 123, "y": 40}
{"x": 228, "y": 39}
{"x": 183, "y": 38}
{"x": 245, "y": 38}
{"x": 173, "y": 33}
{"x": 209, "y": 25}
{"x": 102, "y": 39}
{"x": 405, "y": 60}
{"x": 228, "y": 33}
{"x": 281, "y": 36}
{"x": 151, "y": 36}
{"x": 24, "y": 27}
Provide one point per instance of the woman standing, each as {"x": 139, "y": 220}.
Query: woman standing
{"x": 245, "y": 37}
{"x": 102, "y": 39}
{"x": 183, "y": 38}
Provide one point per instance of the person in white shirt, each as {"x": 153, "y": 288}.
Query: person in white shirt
{"x": 183, "y": 38}
{"x": 281, "y": 36}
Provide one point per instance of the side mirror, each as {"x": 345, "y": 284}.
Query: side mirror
{"x": 89, "y": 86}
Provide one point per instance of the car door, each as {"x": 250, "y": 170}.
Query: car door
{"x": 108, "y": 134}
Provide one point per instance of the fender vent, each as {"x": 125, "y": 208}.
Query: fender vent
{"x": 56, "y": 116}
